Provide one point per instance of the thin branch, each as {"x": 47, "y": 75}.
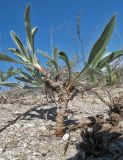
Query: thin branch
{"x": 80, "y": 37}
{"x": 105, "y": 102}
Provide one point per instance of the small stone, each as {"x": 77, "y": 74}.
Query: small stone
{"x": 43, "y": 128}
{"x": 30, "y": 125}
{"x": 25, "y": 145}
{"x": 66, "y": 137}
{"x": 16, "y": 112}
{"x": 73, "y": 139}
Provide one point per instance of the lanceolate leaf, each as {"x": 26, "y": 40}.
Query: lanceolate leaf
{"x": 18, "y": 42}
{"x": 23, "y": 79}
{"x": 28, "y": 28}
{"x": 55, "y": 53}
{"x": 98, "y": 49}
{"x": 6, "y": 75}
{"x": 26, "y": 75}
{"x": 2, "y": 76}
{"x": 11, "y": 72}
{"x": 4, "y": 57}
{"x": 109, "y": 70}
{"x": 102, "y": 63}
{"x": 110, "y": 58}
{"x": 81, "y": 73}
{"x": 103, "y": 40}
{"x": 33, "y": 32}
{"x": 64, "y": 57}
{"x": 96, "y": 71}
{"x": 86, "y": 72}
{"x": 19, "y": 54}
{"x": 97, "y": 59}
{"x": 54, "y": 66}
{"x": 9, "y": 84}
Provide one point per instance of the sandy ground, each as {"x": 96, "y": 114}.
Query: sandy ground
{"x": 30, "y": 138}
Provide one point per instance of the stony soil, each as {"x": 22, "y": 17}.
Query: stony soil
{"x": 31, "y": 138}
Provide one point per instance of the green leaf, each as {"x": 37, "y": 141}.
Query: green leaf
{"x": 81, "y": 74}
{"x": 26, "y": 75}
{"x": 6, "y": 75}
{"x": 11, "y": 72}
{"x": 39, "y": 84}
{"x": 2, "y": 76}
{"x": 18, "y": 54}
{"x": 98, "y": 49}
{"x": 29, "y": 30}
{"x": 9, "y": 84}
{"x": 97, "y": 59}
{"x": 23, "y": 79}
{"x": 53, "y": 66}
{"x": 109, "y": 70}
{"x": 28, "y": 27}
{"x": 33, "y": 32}
{"x": 109, "y": 58}
{"x": 64, "y": 57}
{"x": 102, "y": 42}
{"x": 4, "y": 57}
{"x": 19, "y": 44}
{"x": 97, "y": 71}
{"x": 55, "y": 53}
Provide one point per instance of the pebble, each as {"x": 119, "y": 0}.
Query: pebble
{"x": 17, "y": 112}
{"x": 73, "y": 139}
{"x": 25, "y": 145}
{"x": 32, "y": 125}
{"x": 66, "y": 137}
{"x": 43, "y": 128}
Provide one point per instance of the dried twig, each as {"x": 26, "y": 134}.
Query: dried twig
{"x": 105, "y": 102}
{"x": 66, "y": 147}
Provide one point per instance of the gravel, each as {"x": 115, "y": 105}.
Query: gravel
{"x": 31, "y": 138}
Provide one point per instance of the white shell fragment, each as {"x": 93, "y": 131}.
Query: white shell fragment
{"x": 66, "y": 137}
